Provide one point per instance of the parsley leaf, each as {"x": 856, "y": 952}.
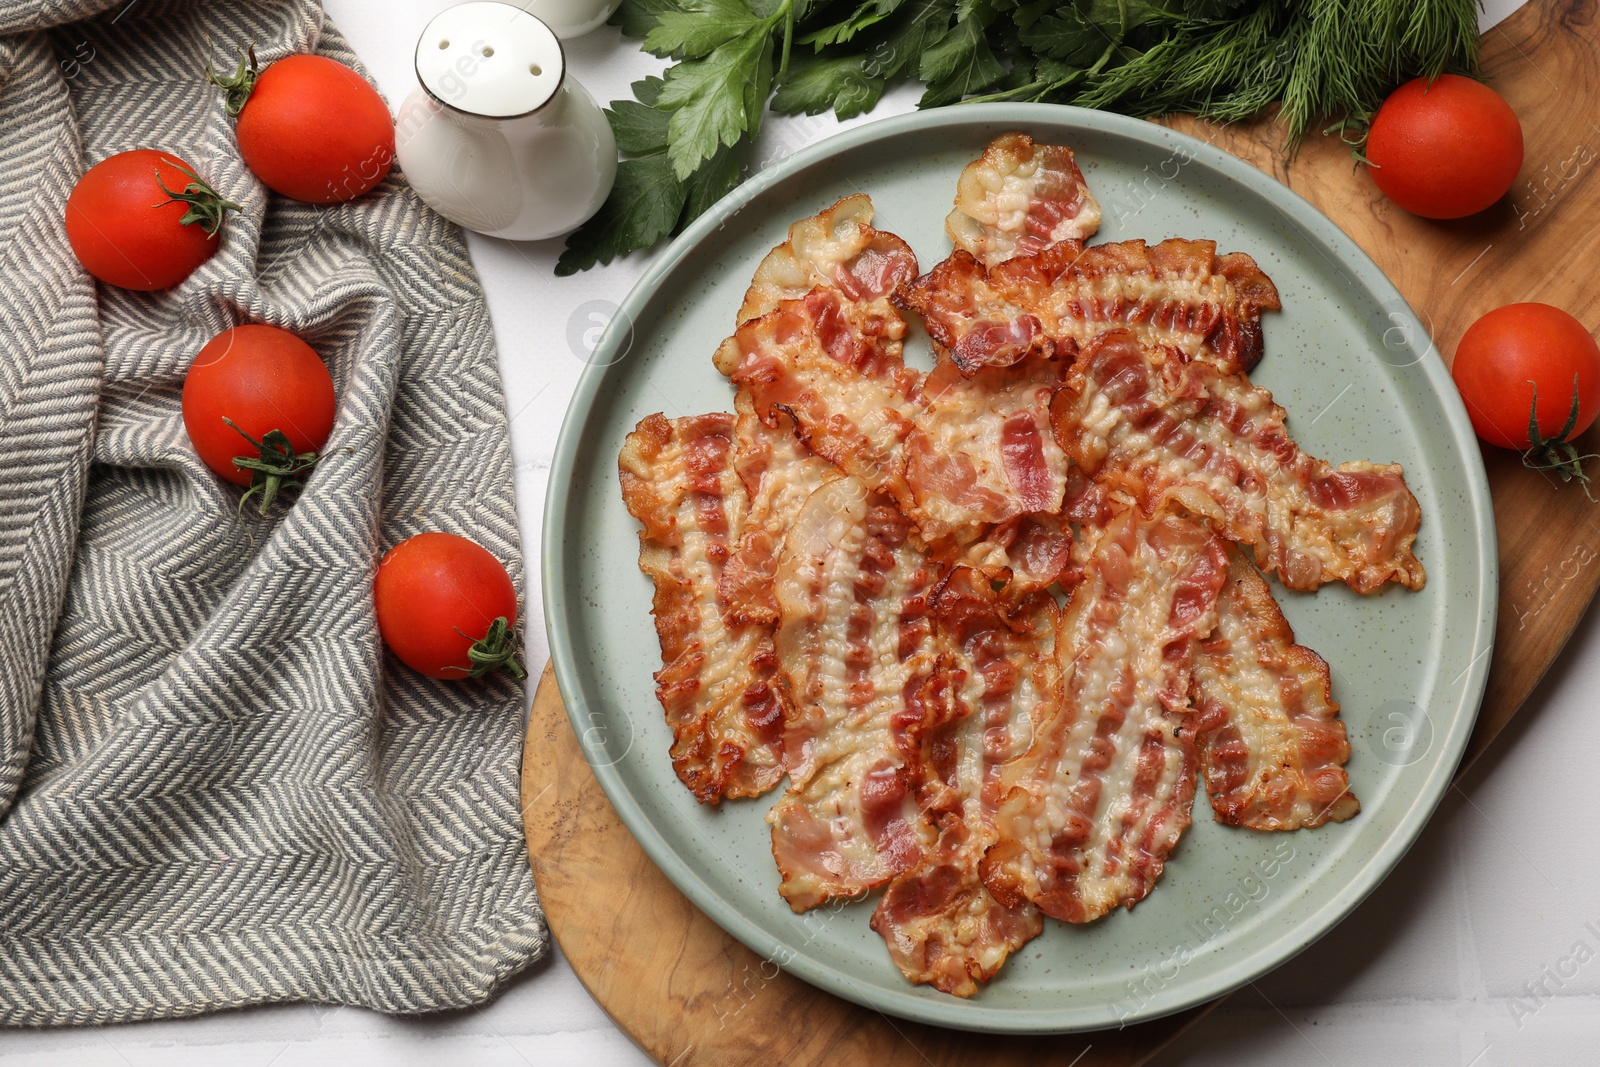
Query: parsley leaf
{"x": 960, "y": 63}
{"x": 639, "y": 129}
{"x": 711, "y": 183}
{"x": 1067, "y": 38}
{"x": 638, "y": 17}
{"x": 1025, "y": 15}
{"x": 1080, "y": 34}
{"x": 1054, "y": 71}
{"x": 648, "y": 90}
{"x": 710, "y": 99}
{"x": 700, "y": 27}
{"x": 819, "y": 83}
{"x": 866, "y": 16}
{"x": 912, "y": 32}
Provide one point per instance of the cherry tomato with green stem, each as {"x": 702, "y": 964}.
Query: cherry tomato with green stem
{"x": 308, "y": 127}
{"x": 1529, "y": 375}
{"x": 144, "y": 220}
{"x": 258, "y": 405}
{"x": 447, "y": 608}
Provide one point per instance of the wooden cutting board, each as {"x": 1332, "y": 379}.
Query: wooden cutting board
{"x": 691, "y": 995}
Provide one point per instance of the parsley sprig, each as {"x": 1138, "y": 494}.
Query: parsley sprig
{"x": 1227, "y": 60}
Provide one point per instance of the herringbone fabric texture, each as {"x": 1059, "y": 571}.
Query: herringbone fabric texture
{"x": 221, "y": 789}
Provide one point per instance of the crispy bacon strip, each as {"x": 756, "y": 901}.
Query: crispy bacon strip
{"x": 720, "y": 687}
{"x": 1093, "y": 809}
{"x": 857, "y": 644}
{"x": 1019, "y": 198}
{"x": 1178, "y": 293}
{"x": 958, "y": 455}
{"x": 836, "y": 249}
{"x": 820, "y": 342}
{"x": 779, "y": 475}
{"x": 942, "y": 925}
{"x": 849, "y": 394}
{"x": 982, "y": 450}
{"x": 1272, "y": 748}
{"x": 851, "y": 399}
{"x": 1142, "y": 419}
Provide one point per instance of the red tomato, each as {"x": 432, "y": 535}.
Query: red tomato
{"x": 439, "y": 595}
{"x": 314, "y": 130}
{"x": 1444, "y": 150}
{"x": 1510, "y": 351}
{"x": 263, "y": 378}
{"x": 128, "y": 232}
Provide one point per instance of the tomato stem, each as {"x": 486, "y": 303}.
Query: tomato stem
{"x": 237, "y": 86}
{"x": 206, "y": 205}
{"x": 1556, "y": 453}
{"x": 1353, "y": 131}
{"x": 277, "y": 466}
{"x": 493, "y": 651}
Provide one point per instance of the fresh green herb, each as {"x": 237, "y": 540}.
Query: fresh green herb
{"x": 680, "y": 130}
{"x": 1320, "y": 60}
{"x": 839, "y": 84}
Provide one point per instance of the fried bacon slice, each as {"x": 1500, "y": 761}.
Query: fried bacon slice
{"x": 958, "y": 455}
{"x": 1141, "y": 419}
{"x": 720, "y": 687}
{"x": 849, "y": 394}
{"x": 779, "y": 475}
{"x": 942, "y": 925}
{"x": 1093, "y": 809}
{"x": 836, "y": 249}
{"x": 1019, "y": 198}
{"x": 982, "y": 450}
{"x": 1272, "y": 748}
{"x": 1178, "y": 293}
{"x": 857, "y": 644}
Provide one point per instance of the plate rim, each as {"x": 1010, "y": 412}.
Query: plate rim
{"x": 966, "y": 1014}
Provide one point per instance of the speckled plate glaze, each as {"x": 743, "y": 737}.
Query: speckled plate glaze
{"x": 1346, "y": 357}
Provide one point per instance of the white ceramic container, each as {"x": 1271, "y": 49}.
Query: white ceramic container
{"x": 498, "y": 136}
{"x": 571, "y": 18}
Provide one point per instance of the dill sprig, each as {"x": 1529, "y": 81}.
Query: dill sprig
{"x": 1354, "y": 52}
{"x": 1227, "y": 70}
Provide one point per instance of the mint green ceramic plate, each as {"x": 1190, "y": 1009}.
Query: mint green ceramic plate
{"x": 1348, "y": 360}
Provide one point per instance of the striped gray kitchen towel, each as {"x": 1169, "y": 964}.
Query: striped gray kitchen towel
{"x": 216, "y": 788}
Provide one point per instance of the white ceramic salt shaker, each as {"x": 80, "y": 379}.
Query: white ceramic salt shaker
{"x": 498, "y": 136}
